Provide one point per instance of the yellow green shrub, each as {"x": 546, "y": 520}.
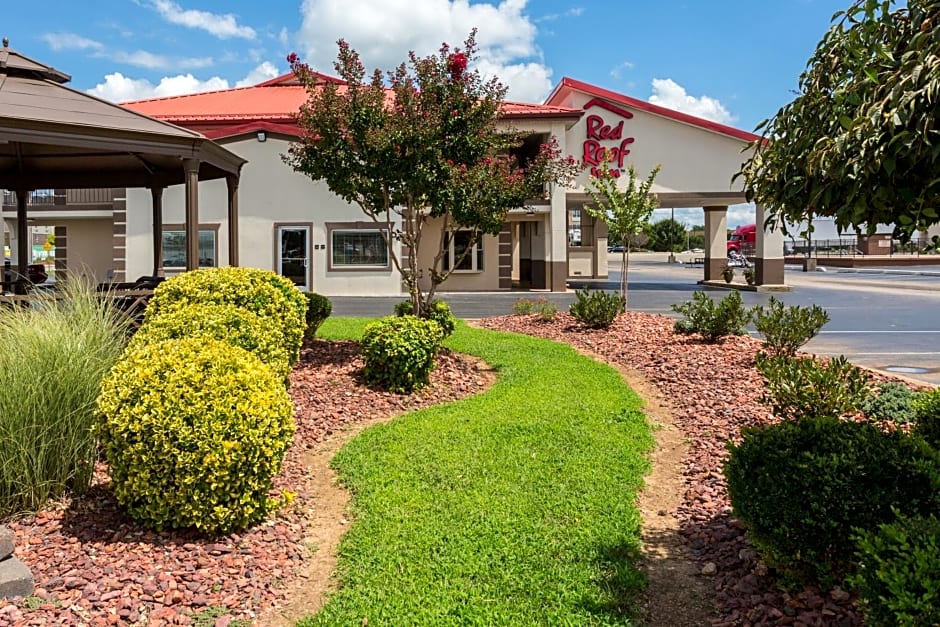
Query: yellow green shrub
{"x": 194, "y": 430}
{"x": 261, "y": 292}
{"x": 229, "y": 323}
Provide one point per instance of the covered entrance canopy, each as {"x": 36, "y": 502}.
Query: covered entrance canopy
{"x": 54, "y": 136}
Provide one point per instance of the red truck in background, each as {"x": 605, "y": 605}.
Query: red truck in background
{"x": 743, "y": 239}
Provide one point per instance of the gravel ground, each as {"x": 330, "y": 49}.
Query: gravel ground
{"x": 93, "y": 565}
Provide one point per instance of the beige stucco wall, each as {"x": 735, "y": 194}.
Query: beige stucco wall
{"x": 461, "y": 280}
{"x": 693, "y": 159}
{"x": 270, "y": 193}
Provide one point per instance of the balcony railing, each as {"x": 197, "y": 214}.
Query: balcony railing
{"x": 61, "y": 197}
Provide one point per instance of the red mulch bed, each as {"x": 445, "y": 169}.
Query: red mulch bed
{"x": 94, "y": 566}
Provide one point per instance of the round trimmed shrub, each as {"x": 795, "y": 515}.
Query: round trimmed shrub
{"x": 319, "y": 309}
{"x": 899, "y": 573}
{"x": 225, "y": 322}
{"x": 440, "y": 313}
{"x": 803, "y": 488}
{"x": 261, "y": 292}
{"x": 399, "y": 352}
{"x": 894, "y": 401}
{"x": 195, "y": 431}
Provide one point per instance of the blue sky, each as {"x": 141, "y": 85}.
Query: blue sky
{"x": 733, "y": 61}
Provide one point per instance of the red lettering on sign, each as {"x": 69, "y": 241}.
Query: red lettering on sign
{"x": 596, "y": 129}
{"x": 594, "y": 151}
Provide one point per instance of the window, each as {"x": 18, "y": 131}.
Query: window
{"x": 174, "y": 248}
{"x": 580, "y": 229}
{"x": 454, "y": 248}
{"x": 358, "y": 248}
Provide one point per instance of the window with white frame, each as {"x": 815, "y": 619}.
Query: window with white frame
{"x": 174, "y": 248}
{"x": 455, "y": 245}
{"x": 352, "y": 248}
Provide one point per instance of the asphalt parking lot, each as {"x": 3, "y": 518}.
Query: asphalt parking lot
{"x": 882, "y": 319}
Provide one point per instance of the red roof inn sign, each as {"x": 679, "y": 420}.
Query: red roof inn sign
{"x": 598, "y": 131}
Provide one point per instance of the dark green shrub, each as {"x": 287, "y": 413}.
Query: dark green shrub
{"x": 261, "y": 292}
{"x": 440, "y": 313}
{"x": 710, "y": 320}
{"x": 195, "y": 430}
{"x": 523, "y": 307}
{"x": 894, "y": 401}
{"x": 683, "y": 326}
{"x": 803, "y": 487}
{"x": 319, "y": 308}
{"x": 228, "y": 323}
{"x": 927, "y": 416}
{"x": 598, "y": 309}
{"x": 898, "y": 577}
{"x": 801, "y": 387}
{"x": 399, "y": 352}
{"x": 786, "y": 329}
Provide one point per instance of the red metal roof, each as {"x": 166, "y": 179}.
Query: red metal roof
{"x": 562, "y": 93}
{"x": 273, "y": 106}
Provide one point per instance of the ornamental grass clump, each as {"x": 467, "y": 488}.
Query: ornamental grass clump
{"x": 234, "y": 325}
{"x": 262, "y": 292}
{"x": 55, "y": 353}
{"x": 195, "y": 430}
{"x": 399, "y": 352}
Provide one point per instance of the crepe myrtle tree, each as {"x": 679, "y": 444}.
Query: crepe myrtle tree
{"x": 416, "y": 144}
{"x": 860, "y": 142}
{"x": 625, "y": 211}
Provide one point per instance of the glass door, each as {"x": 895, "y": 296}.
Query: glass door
{"x": 294, "y": 254}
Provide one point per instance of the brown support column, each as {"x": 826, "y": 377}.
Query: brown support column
{"x": 231, "y": 182}
{"x": 156, "y": 196}
{"x": 191, "y": 170}
{"x": 716, "y": 241}
{"x": 22, "y": 241}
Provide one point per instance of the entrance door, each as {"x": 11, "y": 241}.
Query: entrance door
{"x": 294, "y": 254}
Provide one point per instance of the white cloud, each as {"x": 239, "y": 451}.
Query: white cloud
{"x": 669, "y": 94}
{"x": 260, "y": 74}
{"x": 618, "y": 69}
{"x": 283, "y": 36}
{"x": 551, "y": 17}
{"x": 223, "y": 26}
{"x": 71, "y": 41}
{"x": 119, "y": 88}
{"x": 385, "y": 30}
{"x": 151, "y": 61}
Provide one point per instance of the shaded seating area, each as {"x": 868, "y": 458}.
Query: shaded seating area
{"x": 54, "y": 136}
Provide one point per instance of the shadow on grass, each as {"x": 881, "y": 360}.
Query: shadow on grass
{"x": 620, "y": 581}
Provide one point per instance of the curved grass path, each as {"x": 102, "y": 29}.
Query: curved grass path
{"x": 508, "y": 508}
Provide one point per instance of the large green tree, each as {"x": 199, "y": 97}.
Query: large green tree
{"x": 860, "y": 142}
{"x": 416, "y": 144}
{"x": 626, "y": 211}
{"x": 666, "y": 235}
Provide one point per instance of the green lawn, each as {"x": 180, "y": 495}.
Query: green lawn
{"x": 514, "y": 507}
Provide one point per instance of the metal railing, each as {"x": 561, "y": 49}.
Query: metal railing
{"x": 849, "y": 247}
{"x": 62, "y": 197}
{"x": 36, "y": 197}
